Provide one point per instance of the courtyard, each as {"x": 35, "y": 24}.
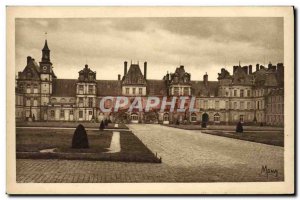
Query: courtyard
{"x": 187, "y": 156}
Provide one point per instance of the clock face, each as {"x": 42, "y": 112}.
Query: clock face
{"x": 45, "y": 68}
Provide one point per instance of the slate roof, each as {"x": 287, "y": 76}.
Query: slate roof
{"x": 109, "y": 88}
{"x": 276, "y": 92}
{"x": 134, "y": 76}
{"x": 200, "y": 89}
{"x": 64, "y": 87}
{"x": 31, "y": 67}
{"x": 157, "y": 87}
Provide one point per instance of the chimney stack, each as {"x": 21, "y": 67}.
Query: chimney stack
{"x": 205, "y": 79}
{"x": 119, "y": 77}
{"x": 257, "y": 67}
{"x": 245, "y": 68}
{"x": 250, "y": 69}
{"x": 145, "y": 70}
{"x": 28, "y": 59}
{"x": 261, "y": 67}
{"x": 125, "y": 68}
{"x": 235, "y": 68}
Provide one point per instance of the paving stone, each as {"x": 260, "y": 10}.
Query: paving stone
{"x": 187, "y": 156}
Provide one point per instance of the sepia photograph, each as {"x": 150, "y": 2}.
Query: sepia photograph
{"x": 169, "y": 100}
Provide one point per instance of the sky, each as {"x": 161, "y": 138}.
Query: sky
{"x": 200, "y": 44}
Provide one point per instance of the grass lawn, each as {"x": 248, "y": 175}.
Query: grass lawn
{"x": 30, "y": 141}
{"x": 266, "y": 137}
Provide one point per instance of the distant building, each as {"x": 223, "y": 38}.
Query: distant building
{"x": 252, "y": 97}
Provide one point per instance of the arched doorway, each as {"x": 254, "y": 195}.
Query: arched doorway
{"x": 205, "y": 118}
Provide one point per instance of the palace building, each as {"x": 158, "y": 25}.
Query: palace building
{"x": 252, "y": 97}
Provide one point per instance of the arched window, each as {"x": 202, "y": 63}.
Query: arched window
{"x": 72, "y": 100}
{"x": 193, "y": 117}
{"x": 62, "y": 100}
{"x": 134, "y": 117}
{"x": 217, "y": 117}
{"x": 52, "y": 113}
{"x": 53, "y": 100}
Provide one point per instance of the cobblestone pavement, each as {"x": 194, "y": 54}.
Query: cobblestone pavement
{"x": 188, "y": 156}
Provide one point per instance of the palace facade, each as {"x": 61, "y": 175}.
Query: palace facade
{"x": 247, "y": 95}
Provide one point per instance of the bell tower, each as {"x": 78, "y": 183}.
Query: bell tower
{"x": 47, "y": 76}
{"x": 46, "y": 53}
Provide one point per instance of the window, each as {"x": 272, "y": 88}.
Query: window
{"x": 90, "y": 102}
{"x": 35, "y": 88}
{"x": 71, "y": 112}
{"x": 133, "y": 90}
{"x": 217, "y": 105}
{"x": 176, "y": 90}
{"x": 80, "y": 89}
{"x": 53, "y": 100}
{"x": 62, "y": 113}
{"x": 217, "y": 117}
{"x": 248, "y": 105}
{"x": 80, "y": 114}
{"x": 242, "y": 105}
{"x": 166, "y": 117}
{"x": 235, "y": 105}
{"x": 241, "y": 93}
{"x": 52, "y": 113}
{"x": 28, "y": 101}
{"x": 28, "y": 89}
{"x": 241, "y": 118}
{"x": 62, "y": 100}
{"x": 257, "y": 105}
{"x": 90, "y": 89}
{"x": 35, "y": 101}
{"x": 80, "y": 99}
{"x": 134, "y": 117}
{"x": 140, "y": 91}
{"x": 248, "y": 93}
{"x": 90, "y": 112}
{"x": 193, "y": 117}
{"x": 227, "y": 105}
{"x": 186, "y": 91}
{"x": 235, "y": 93}
{"x": 127, "y": 90}
{"x": 205, "y": 104}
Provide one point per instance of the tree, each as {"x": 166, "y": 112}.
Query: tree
{"x": 80, "y": 139}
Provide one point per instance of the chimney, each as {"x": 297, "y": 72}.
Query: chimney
{"x": 257, "y": 67}
{"x": 125, "y": 68}
{"x": 245, "y": 68}
{"x": 28, "y": 59}
{"x": 205, "y": 79}
{"x": 261, "y": 67}
{"x": 269, "y": 65}
{"x": 235, "y": 68}
{"x": 250, "y": 69}
{"x": 145, "y": 70}
{"x": 119, "y": 77}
